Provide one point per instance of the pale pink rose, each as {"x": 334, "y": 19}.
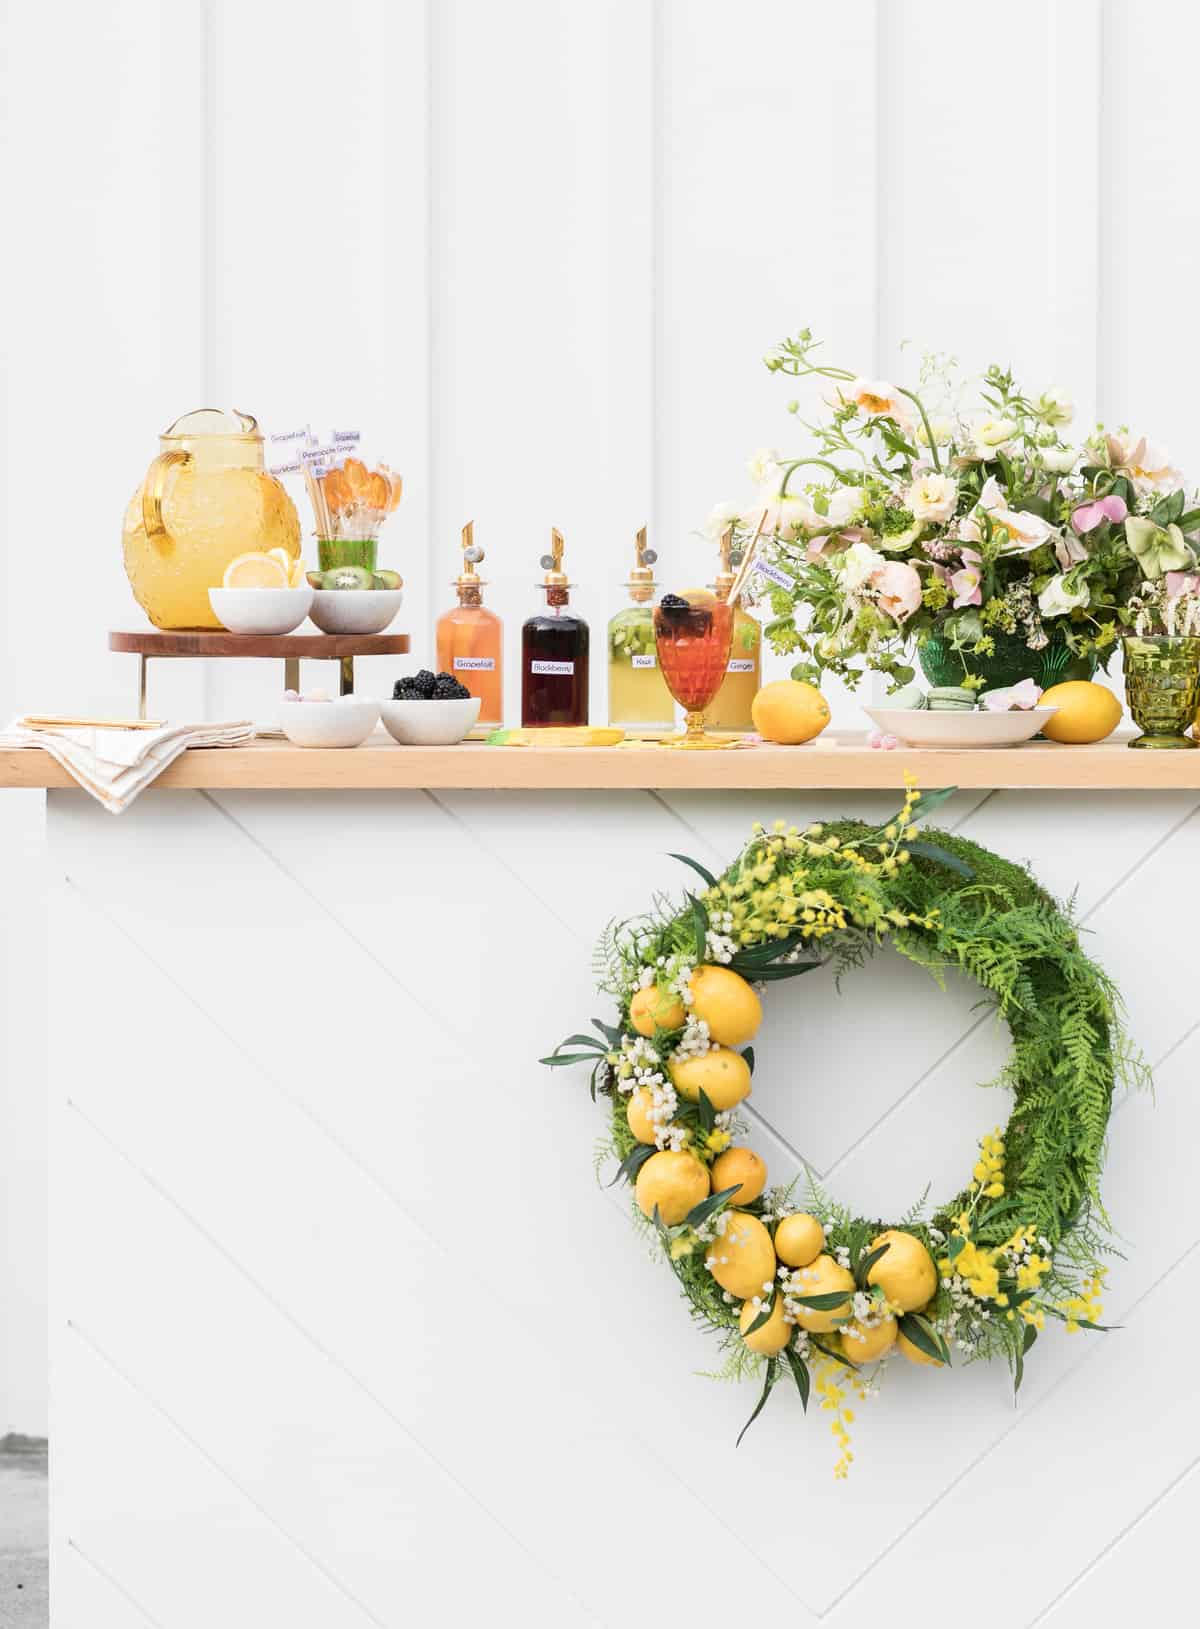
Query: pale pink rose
{"x": 899, "y": 589}
{"x": 1020, "y": 696}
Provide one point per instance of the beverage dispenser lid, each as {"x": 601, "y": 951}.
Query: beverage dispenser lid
{"x": 214, "y": 421}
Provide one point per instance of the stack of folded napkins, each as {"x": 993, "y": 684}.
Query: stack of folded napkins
{"x": 115, "y": 763}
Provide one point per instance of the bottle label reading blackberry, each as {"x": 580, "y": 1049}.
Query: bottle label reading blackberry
{"x": 552, "y": 667}
{"x": 475, "y": 664}
{"x": 741, "y": 664}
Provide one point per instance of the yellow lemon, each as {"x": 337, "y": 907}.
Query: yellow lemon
{"x": 905, "y": 1272}
{"x": 743, "y": 1257}
{"x": 773, "y": 1336}
{"x": 822, "y": 1277}
{"x": 741, "y": 1167}
{"x": 799, "y": 1239}
{"x": 726, "y": 1003}
{"x": 673, "y": 1182}
{"x": 789, "y": 712}
{"x": 913, "y": 1353}
{"x": 255, "y": 571}
{"x": 637, "y": 1113}
{"x": 722, "y": 1075}
{"x": 653, "y": 1009}
{"x": 1086, "y": 711}
{"x": 863, "y": 1344}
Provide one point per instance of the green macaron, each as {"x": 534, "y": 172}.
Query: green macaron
{"x": 951, "y": 698}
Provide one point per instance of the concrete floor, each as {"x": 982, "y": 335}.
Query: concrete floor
{"x": 24, "y": 1534}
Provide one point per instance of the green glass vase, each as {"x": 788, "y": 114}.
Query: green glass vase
{"x": 1011, "y": 661}
{"x": 1162, "y": 686}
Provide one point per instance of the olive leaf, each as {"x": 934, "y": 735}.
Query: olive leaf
{"x": 799, "y": 1374}
{"x": 610, "y": 1032}
{"x": 559, "y": 1060}
{"x": 699, "y": 927}
{"x": 767, "y": 1309}
{"x": 827, "y": 1301}
{"x": 748, "y": 1054}
{"x": 632, "y": 1163}
{"x": 708, "y": 1115}
{"x": 940, "y": 856}
{"x": 771, "y": 1377}
{"x": 699, "y": 1214}
{"x": 700, "y": 870}
{"x": 866, "y": 1263}
{"x": 924, "y": 1337}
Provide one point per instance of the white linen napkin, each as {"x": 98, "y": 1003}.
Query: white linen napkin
{"x": 115, "y": 765}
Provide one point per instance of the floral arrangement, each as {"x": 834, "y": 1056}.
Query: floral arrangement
{"x": 797, "y": 1286}
{"x": 920, "y": 515}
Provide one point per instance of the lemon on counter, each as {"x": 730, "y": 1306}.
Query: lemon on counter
{"x": 789, "y": 712}
{"x": 1086, "y": 711}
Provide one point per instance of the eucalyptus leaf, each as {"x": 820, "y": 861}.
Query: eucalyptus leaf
{"x": 799, "y": 1374}
{"x": 940, "y": 856}
{"x": 771, "y": 1378}
{"x": 700, "y": 870}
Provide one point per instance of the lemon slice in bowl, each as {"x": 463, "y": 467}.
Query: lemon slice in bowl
{"x": 255, "y": 570}
{"x": 296, "y": 574}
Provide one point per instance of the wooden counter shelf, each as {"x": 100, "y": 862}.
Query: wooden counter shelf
{"x": 834, "y": 763}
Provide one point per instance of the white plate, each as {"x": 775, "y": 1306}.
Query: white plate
{"x": 429, "y": 723}
{"x": 918, "y": 727}
{"x": 260, "y": 610}
{"x": 355, "y": 610}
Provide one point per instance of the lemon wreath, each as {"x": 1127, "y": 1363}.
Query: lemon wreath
{"x": 809, "y": 1290}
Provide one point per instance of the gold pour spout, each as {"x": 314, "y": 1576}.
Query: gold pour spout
{"x": 551, "y": 564}
{"x": 641, "y": 583}
{"x": 472, "y": 554}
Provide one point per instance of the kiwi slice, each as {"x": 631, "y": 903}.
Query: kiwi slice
{"x": 388, "y": 579}
{"x": 344, "y": 577}
{"x": 315, "y": 579}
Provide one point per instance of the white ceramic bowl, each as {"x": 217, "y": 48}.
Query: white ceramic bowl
{"x": 429, "y": 723}
{"x": 260, "y": 610}
{"x": 346, "y": 722}
{"x": 354, "y": 610}
{"x": 918, "y": 727}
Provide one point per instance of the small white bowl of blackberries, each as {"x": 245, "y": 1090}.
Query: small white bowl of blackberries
{"x": 429, "y": 710}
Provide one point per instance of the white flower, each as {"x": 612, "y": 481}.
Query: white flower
{"x": 1024, "y": 529}
{"x": 878, "y": 399}
{"x": 990, "y": 436}
{"x": 942, "y": 428}
{"x": 857, "y": 565}
{"x": 1148, "y": 467}
{"x": 720, "y": 517}
{"x": 788, "y": 518}
{"x": 1056, "y": 599}
{"x": 1054, "y": 406}
{"x": 1059, "y": 460}
{"x": 845, "y": 505}
{"x": 932, "y": 497}
{"x": 763, "y": 467}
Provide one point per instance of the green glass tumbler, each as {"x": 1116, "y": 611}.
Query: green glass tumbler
{"x": 1162, "y": 686}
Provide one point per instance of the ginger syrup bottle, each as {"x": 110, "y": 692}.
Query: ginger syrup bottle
{"x": 470, "y": 638}
{"x": 554, "y": 652}
{"x": 730, "y": 709}
{"x": 638, "y": 698}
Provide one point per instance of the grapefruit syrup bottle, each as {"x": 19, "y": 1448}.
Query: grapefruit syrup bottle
{"x": 554, "y": 652}
{"x": 730, "y": 709}
{"x": 470, "y": 638}
{"x": 638, "y": 698}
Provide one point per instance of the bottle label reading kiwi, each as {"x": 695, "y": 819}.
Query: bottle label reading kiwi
{"x": 740, "y": 664}
{"x": 552, "y": 667}
{"x": 474, "y": 664}
{"x": 644, "y": 661}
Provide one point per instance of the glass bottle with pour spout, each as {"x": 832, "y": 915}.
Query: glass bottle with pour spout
{"x": 554, "y": 652}
{"x": 638, "y": 698}
{"x": 470, "y": 638}
{"x": 730, "y": 709}
{"x": 206, "y": 498}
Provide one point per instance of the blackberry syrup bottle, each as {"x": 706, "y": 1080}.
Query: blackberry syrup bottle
{"x": 554, "y": 652}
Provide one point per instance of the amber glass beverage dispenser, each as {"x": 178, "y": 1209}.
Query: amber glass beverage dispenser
{"x": 554, "y": 652}
{"x": 730, "y": 709}
{"x": 470, "y": 638}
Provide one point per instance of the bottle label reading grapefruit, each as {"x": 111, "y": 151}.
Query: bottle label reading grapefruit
{"x": 475, "y": 664}
{"x": 552, "y": 667}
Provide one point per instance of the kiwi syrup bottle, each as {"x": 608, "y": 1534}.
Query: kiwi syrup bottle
{"x": 554, "y": 652}
{"x": 470, "y": 638}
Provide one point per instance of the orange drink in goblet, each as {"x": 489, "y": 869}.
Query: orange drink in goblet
{"x": 693, "y": 635}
